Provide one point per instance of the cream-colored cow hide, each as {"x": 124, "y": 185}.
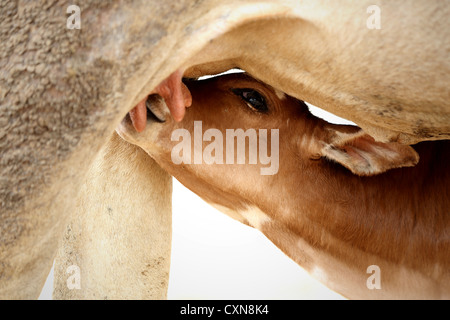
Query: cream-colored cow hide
{"x": 63, "y": 91}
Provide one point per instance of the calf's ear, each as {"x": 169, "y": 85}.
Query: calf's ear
{"x": 361, "y": 154}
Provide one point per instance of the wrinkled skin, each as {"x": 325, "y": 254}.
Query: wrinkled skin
{"x": 62, "y": 92}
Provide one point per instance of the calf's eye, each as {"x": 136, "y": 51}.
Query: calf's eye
{"x": 253, "y": 99}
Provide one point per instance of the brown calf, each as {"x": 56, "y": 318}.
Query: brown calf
{"x": 338, "y": 204}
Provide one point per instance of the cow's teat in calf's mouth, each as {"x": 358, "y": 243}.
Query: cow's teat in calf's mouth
{"x": 175, "y": 95}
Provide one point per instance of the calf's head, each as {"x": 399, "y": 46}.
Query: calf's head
{"x": 242, "y": 141}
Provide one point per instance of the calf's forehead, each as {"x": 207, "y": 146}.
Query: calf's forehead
{"x": 218, "y": 89}
{"x": 236, "y": 80}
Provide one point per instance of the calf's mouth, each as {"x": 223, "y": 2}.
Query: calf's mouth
{"x": 173, "y": 94}
{"x": 156, "y": 109}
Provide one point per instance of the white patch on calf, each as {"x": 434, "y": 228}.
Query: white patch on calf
{"x": 255, "y": 217}
{"x": 319, "y": 274}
